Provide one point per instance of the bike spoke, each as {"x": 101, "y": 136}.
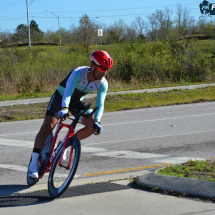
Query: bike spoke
{"x": 62, "y": 172}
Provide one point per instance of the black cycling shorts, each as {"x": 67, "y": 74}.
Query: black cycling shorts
{"x": 55, "y": 105}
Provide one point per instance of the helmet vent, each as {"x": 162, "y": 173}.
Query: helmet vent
{"x": 102, "y": 54}
{"x": 105, "y": 61}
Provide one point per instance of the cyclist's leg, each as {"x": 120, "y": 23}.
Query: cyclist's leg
{"x": 46, "y": 128}
{"x": 86, "y": 131}
{"x": 48, "y": 125}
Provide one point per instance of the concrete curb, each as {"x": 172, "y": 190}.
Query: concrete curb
{"x": 177, "y": 184}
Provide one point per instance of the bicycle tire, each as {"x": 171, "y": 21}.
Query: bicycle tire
{"x": 58, "y": 182}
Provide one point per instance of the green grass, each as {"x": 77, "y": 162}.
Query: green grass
{"x": 113, "y": 87}
{"x": 142, "y": 100}
{"x": 140, "y": 65}
{"x": 5, "y": 97}
{"x": 117, "y": 103}
{"x": 200, "y": 170}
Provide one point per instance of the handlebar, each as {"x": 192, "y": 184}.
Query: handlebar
{"x": 83, "y": 114}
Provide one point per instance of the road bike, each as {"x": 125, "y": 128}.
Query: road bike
{"x": 60, "y": 159}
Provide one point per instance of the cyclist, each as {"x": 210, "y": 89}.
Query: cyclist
{"x": 70, "y": 94}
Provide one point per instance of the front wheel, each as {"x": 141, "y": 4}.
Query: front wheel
{"x": 60, "y": 176}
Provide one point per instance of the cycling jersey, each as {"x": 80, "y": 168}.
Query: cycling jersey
{"x": 75, "y": 86}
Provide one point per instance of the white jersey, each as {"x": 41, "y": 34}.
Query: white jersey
{"x": 75, "y": 86}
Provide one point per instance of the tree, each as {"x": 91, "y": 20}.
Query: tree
{"x": 36, "y": 33}
{"x": 152, "y": 27}
{"x": 21, "y": 34}
{"x": 48, "y": 36}
{"x": 164, "y": 19}
{"x": 116, "y": 32}
{"x": 86, "y": 30}
{"x": 139, "y": 25}
{"x": 130, "y": 34}
{"x": 183, "y": 20}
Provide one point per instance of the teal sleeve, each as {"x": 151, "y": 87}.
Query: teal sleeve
{"x": 71, "y": 84}
{"x": 101, "y": 94}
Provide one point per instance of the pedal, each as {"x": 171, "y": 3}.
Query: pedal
{"x": 34, "y": 179}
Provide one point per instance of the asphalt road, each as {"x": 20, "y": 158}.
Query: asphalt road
{"x": 141, "y": 138}
{"x": 131, "y": 139}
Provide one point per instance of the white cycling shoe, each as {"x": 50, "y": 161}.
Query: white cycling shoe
{"x": 33, "y": 171}
{"x": 33, "y": 168}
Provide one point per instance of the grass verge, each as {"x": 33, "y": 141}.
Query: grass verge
{"x": 200, "y": 170}
{"x": 117, "y": 102}
{"x": 114, "y": 86}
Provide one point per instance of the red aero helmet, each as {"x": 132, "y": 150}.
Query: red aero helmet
{"x": 102, "y": 58}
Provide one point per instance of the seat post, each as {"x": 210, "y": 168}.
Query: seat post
{"x": 75, "y": 121}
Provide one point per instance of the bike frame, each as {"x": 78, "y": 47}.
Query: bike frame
{"x": 63, "y": 143}
{"x": 52, "y": 153}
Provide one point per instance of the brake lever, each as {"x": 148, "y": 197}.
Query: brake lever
{"x": 87, "y": 107}
{"x": 90, "y": 114}
{"x": 95, "y": 109}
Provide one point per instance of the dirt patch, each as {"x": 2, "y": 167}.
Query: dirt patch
{"x": 199, "y": 100}
{"x": 26, "y": 112}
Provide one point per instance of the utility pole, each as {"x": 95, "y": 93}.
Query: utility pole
{"x": 29, "y": 38}
{"x": 58, "y": 23}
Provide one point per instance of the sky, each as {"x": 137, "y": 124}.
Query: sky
{"x": 14, "y": 12}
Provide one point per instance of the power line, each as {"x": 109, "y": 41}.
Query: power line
{"x": 109, "y": 16}
{"x": 11, "y": 4}
{"x": 107, "y": 10}
{"x": 163, "y": 6}
{"x": 89, "y": 17}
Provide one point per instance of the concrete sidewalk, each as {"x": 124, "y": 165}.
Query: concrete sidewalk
{"x": 146, "y": 178}
{"x": 46, "y": 99}
{"x": 120, "y": 201}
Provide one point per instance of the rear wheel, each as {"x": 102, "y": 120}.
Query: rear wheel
{"x": 60, "y": 176}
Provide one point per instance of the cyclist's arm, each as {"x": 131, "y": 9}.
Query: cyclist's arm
{"x": 101, "y": 94}
{"x": 71, "y": 84}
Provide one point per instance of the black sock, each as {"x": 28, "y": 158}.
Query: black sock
{"x": 37, "y": 150}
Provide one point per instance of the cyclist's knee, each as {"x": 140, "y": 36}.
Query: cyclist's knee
{"x": 45, "y": 130}
{"x": 90, "y": 131}
{"x": 47, "y": 126}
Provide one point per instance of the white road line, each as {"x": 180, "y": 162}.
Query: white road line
{"x": 154, "y": 120}
{"x": 158, "y": 158}
{"x": 21, "y": 168}
{"x": 29, "y": 144}
{"x": 14, "y": 167}
{"x": 160, "y": 107}
{"x": 17, "y": 143}
{"x": 119, "y": 154}
{"x": 34, "y": 132}
{"x": 145, "y": 138}
{"x": 124, "y": 123}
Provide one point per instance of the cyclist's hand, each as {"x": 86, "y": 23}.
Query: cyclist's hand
{"x": 63, "y": 114}
{"x": 97, "y": 127}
